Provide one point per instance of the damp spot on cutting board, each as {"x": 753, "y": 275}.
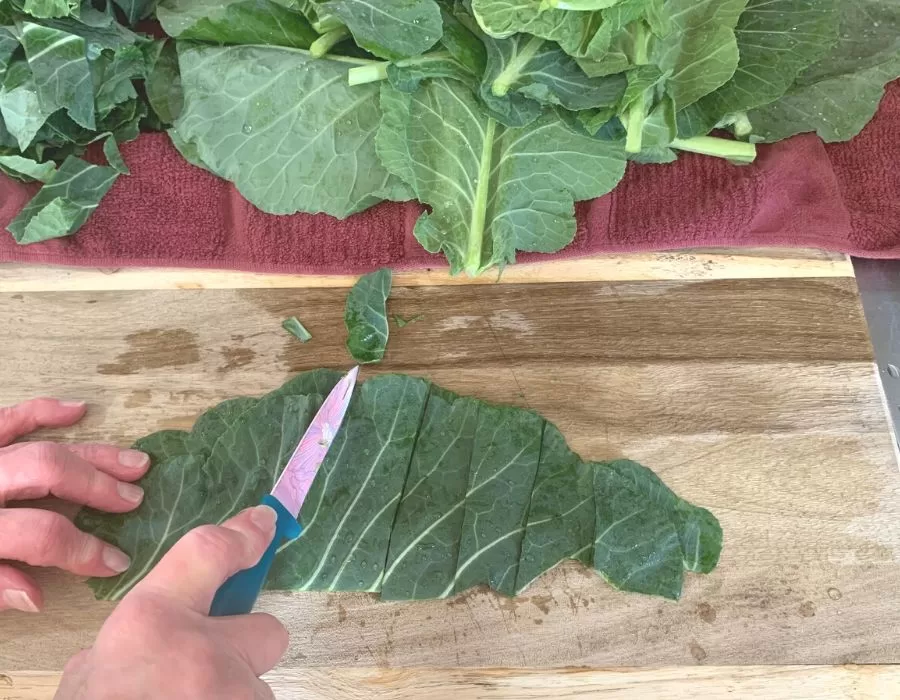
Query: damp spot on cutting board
{"x": 698, "y": 652}
{"x": 808, "y": 609}
{"x": 138, "y": 398}
{"x": 706, "y": 612}
{"x": 155, "y": 349}
{"x": 235, "y": 357}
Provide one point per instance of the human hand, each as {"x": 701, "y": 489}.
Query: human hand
{"x": 160, "y": 643}
{"x": 93, "y": 475}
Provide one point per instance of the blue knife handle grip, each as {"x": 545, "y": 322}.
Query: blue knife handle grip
{"x": 238, "y": 594}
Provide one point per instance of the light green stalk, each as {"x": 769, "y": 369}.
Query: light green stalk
{"x": 479, "y": 206}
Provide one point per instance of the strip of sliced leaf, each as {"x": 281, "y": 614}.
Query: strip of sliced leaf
{"x": 236, "y": 22}
{"x": 493, "y": 190}
{"x": 293, "y": 326}
{"x": 390, "y": 29}
{"x": 287, "y": 129}
{"x": 422, "y": 494}
{"x": 17, "y": 166}
{"x": 113, "y": 156}
{"x": 365, "y": 316}
{"x": 64, "y": 203}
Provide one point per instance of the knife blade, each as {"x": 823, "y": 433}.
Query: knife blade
{"x": 239, "y": 593}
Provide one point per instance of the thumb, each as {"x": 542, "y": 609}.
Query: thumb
{"x": 192, "y": 571}
{"x": 259, "y": 639}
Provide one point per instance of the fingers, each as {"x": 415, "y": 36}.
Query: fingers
{"x": 192, "y": 571}
{"x": 259, "y": 639}
{"x": 18, "y": 591}
{"x": 125, "y": 465}
{"x": 38, "y": 469}
{"x": 24, "y": 418}
{"x": 44, "y": 538}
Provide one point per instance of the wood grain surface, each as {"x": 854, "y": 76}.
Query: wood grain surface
{"x": 756, "y": 399}
{"x": 848, "y": 682}
{"x": 719, "y": 263}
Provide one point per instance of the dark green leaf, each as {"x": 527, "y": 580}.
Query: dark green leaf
{"x": 64, "y": 203}
{"x": 365, "y": 316}
{"x": 8, "y": 46}
{"x": 163, "y": 85}
{"x": 113, "y": 156}
{"x": 136, "y": 9}
{"x": 423, "y": 494}
{"x": 20, "y": 106}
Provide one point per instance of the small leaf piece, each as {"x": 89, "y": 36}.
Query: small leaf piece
{"x": 366, "y": 316}
{"x": 293, "y": 326}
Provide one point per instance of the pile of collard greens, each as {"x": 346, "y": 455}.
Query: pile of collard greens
{"x": 423, "y": 494}
{"x": 497, "y": 114}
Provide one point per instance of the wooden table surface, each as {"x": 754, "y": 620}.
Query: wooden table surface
{"x": 753, "y": 397}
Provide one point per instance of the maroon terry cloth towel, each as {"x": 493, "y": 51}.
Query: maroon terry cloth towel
{"x": 798, "y": 193}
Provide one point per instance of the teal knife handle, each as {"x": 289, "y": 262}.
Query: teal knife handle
{"x": 238, "y": 594}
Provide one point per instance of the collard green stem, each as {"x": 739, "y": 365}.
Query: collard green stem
{"x": 736, "y": 151}
{"x": 504, "y": 82}
{"x": 321, "y": 46}
{"x": 479, "y": 211}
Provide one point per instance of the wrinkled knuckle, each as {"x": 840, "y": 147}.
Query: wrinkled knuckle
{"x": 48, "y": 458}
{"x": 213, "y": 542}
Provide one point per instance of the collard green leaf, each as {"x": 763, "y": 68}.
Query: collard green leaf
{"x": 503, "y": 18}
{"x": 64, "y": 203}
{"x": 365, "y": 316}
{"x": 51, "y": 8}
{"x": 113, "y": 156}
{"x": 113, "y": 75}
{"x": 539, "y": 69}
{"x": 8, "y": 46}
{"x": 236, "y": 22}
{"x": 390, "y": 29}
{"x": 423, "y": 494}
{"x": 837, "y": 96}
{"x": 285, "y": 128}
{"x": 23, "y": 114}
{"x": 293, "y": 326}
{"x": 18, "y": 166}
{"x": 163, "y": 84}
{"x": 776, "y": 40}
{"x": 61, "y": 73}
{"x": 136, "y": 10}
{"x": 493, "y": 190}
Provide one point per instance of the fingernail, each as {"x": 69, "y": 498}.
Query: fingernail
{"x": 116, "y": 559}
{"x": 133, "y": 459}
{"x": 19, "y": 600}
{"x": 130, "y": 492}
{"x": 72, "y": 404}
{"x": 264, "y": 518}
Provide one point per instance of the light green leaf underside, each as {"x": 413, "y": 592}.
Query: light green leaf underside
{"x": 293, "y": 326}
{"x": 288, "y": 130}
{"x": 493, "y": 190}
{"x": 423, "y": 494}
{"x": 365, "y": 316}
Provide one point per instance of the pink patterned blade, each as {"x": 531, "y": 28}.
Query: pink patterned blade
{"x": 297, "y": 477}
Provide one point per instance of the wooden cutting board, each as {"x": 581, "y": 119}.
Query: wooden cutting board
{"x": 754, "y": 398}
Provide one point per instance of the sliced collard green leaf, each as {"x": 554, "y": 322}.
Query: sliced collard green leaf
{"x": 23, "y": 114}
{"x": 236, "y": 22}
{"x": 64, "y": 202}
{"x": 61, "y": 73}
{"x": 113, "y": 156}
{"x": 287, "y": 129}
{"x": 20, "y": 167}
{"x": 293, "y": 326}
{"x": 493, "y": 190}
{"x": 407, "y": 74}
{"x": 390, "y": 28}
{"x": 837, "y": 96}
{"x": 113, "y": 75}
{"x": 777, "y": 40}
{"x": 423, "y": 494}
{"x": 503, "y": 18}
{"x": 365, "y": 316}
{"x": 539, "y": 69}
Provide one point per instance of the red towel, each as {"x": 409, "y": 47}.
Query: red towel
{"x": 840, "y": 197}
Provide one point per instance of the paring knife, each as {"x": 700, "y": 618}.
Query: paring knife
{"x": 238, "y": 594}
